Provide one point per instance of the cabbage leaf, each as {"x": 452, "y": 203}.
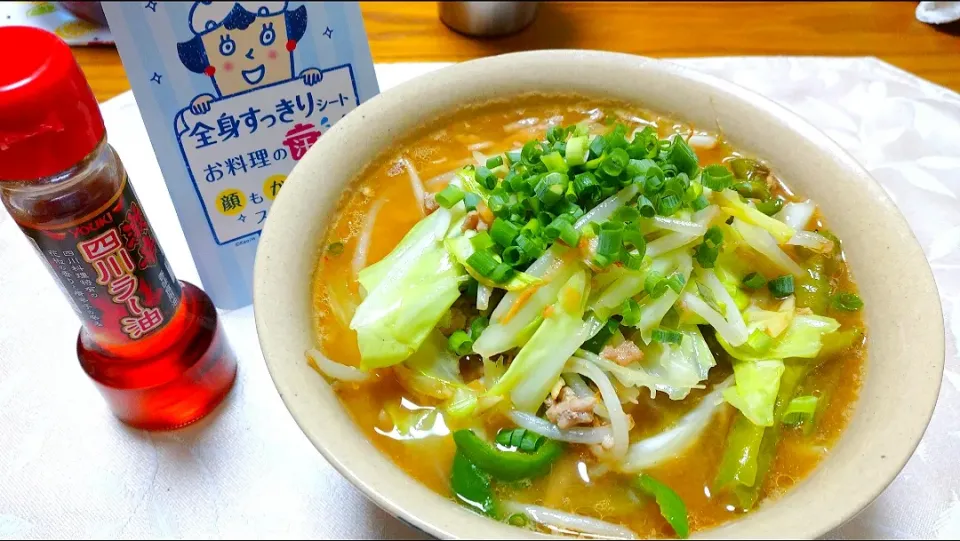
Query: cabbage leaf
{"x": 755, "y": 391}
{"x": 408, "y": 292}
{"x": 540, "y": 362}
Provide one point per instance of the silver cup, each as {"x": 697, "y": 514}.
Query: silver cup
{"x": 487, "y": 18}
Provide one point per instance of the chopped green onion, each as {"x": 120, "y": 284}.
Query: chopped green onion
{"x": 602, "y": 261}
{"x": 625, "y": 214}
{"x": 335, "y": 248}
{"x": 531, "y": 247}
{"x": 513, "y": 156}
{"x": 483, "y": 263}
{"x": 568, "y": 234}
{"x": 576, "y": 151}
{"x": 485, "y": 178}
{"x": 754, "y": 281}
{"x": 668, "y": 205}
{"x": 477, "y": 326}
{"x": 597, "y": 146}
{"x": 568, "y": 209}
{"x": 770, "y": 206}
{"x": 611, "y": 226}
{"x": 610, "y": 242}
{"x": 554, "y": 134}
{"x": 470, "y": 288}
{"x": 653, "y": 182}
{"x": 637, "y": 169}
{"x": 571, "y": 194}
{"x": 449, "y": 196}
{"x": 633, "y": 237}
{"x": 800, "y": 410}
{"x": 600, "y": 339}
{"x": 706, "y": 254}
{"x": 669, "y": 170}
{"x": 494, "y": 162}
{"x": 502, "y": 273}
{"x": 460, "y": 343}
{"x": 533, "y": 204}
{"x": 530, "y": 155}
{"x": 666, "y": 336}
{"x": 554, "y": 162}
{"x": 713, "y": 235}
{"x": 716, "y": 177}
{"x": 675, "y": 282}
{"x": 782, "y": 286}
{"x": 481, "y": 241}
{"x": 617, "y": 138}
{"x": 655, "y": 284}
{"x": 498, "y": 204}
{"x": 562, "y": 228}
{"x": 520, "y": 439}
{"x": 849, "y": 302}
{"x": 693, "y": 191}
{"x": 630, "y": 311}
{"x": 471, "y": 200}
{"x": 587, "y": 187}
{"x": 630, "y": 260}
{"x": 646, "y": 207}
{"x": 545, "y": 217}
{"x": 615, "y": 162}
{"x": 531, "y": 228}
{"x": 551, "y": 188}
{"x": 677, "y": 185}
{"x": 513, "y": 256}
{"x": 682, "y": 156}
{"x": 503, "y": 232}
{"x": 699, "y": 203}
{"x": 516, "y": 182}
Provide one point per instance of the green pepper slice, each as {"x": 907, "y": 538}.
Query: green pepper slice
{"x": 507, "y": 465}
{"x": 472, "y": 486}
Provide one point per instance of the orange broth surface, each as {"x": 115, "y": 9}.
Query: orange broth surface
{"x": 577, "y": 483}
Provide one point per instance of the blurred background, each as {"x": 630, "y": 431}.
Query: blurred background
{"x": 414, "y": 32}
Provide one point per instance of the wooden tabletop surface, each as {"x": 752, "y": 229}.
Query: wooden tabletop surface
{"x": 411, "y": 31}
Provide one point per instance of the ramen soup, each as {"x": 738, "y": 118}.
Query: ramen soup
{"x": 580, "y": 317}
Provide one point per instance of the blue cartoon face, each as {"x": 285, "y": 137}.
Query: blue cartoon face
{"x": 243, "y": 45}
{"x": 249, "y": 57}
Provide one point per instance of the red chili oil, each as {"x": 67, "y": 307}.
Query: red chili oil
{"x": 153, "y": 345}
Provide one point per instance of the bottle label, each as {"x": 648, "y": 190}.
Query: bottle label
{"x": 111, "y": 268}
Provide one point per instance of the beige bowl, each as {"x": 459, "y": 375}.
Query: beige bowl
{"x": 905, "y": 344}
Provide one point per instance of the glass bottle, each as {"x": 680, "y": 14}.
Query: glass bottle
{"x": 153, "y": 345}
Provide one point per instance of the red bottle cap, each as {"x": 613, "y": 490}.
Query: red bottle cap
{"x": 49, "y": 118}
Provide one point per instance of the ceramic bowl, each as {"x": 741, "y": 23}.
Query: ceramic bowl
{"x": 905, "y": 340}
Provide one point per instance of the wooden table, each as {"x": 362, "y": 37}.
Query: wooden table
{"x": 411, "y": 31}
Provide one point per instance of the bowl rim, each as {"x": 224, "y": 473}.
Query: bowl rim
{"x": 271, "y": 246}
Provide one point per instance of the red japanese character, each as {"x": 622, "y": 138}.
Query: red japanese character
{"x": 137, "y": 326}
{"x": 123, "y": 288}
{"x": 300, "y": 139}
{"x": 113, "y": 266}
{"x": 100, "y": 246}
{"x": 138, "y": 235}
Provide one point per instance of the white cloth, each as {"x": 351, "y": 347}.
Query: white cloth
{"x": 68, "y": 469}
{"x": 938, "y": 12}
